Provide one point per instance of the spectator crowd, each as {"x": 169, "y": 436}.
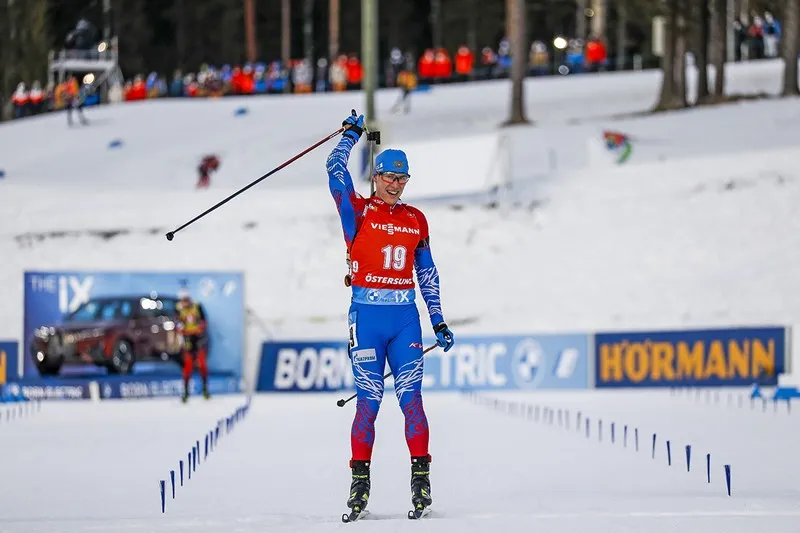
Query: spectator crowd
{"x": 757, "y": 39}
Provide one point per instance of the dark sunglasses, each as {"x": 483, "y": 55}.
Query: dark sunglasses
{"x": 389, "y": 177}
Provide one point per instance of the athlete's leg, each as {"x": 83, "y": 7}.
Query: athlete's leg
{"x": 405, "y": 358}
{"x": 188, "y": 356}
{"x": 202, "y": 352}
{"x": 368, "y": 360}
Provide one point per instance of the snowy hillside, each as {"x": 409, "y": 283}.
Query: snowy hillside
{"x": 672, "y": 238}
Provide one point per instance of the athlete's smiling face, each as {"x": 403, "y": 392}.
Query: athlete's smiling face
{"x": 389, "y": 186}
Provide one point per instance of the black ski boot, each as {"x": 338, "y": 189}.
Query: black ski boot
{"x": 420, "y": 486}
{"x": 359, "y": 491}
{"x": 206, "y": 395}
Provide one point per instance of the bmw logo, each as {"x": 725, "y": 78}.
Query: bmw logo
{"x": 528, "y": 364}
{"x": 374, "y": 296}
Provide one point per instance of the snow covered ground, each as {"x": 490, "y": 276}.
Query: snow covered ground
{"x": 284, "y": 468}
{"x": 670, "y": 239}
{"x": 698, "y": 229}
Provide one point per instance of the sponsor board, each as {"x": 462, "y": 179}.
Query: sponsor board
{"x": 710, "y": 357}
{"x": 523, "y": 362}
{"x": 117, "y": 388}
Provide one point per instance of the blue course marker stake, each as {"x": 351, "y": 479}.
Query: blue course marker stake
{"x": 669, "y": 455}
{"x": 600, "y": 430}
{"x": 636, "y": 438}
{"x": 197, "y": 445}
{"x": 688, "y": 457}
{"x": 587, "y": 427}
{"x": 189, "y": 464}
{"x": 612, "y": 433}
{"x": 172, "y": 482}
{"x": 728, "y": 478}
{"x": 654, "y": 445}
{"x": 625, "y": 436}
{"x": 180, "y": 464}
{"x": 163, "y": 497}
{"x": 708, "y": 467}
{"x": 205, "y": 449}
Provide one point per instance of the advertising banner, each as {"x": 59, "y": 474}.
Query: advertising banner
{"x": 85, "y": 323}
{"x": 524, "y": 362}
{"x": 107, "y": 388}
{"x": 711, "y": 357}
{"x": 8, "y": 361}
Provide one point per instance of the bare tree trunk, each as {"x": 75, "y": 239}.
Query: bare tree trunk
{"x": 517, "y": 37}
{"x": 286, "y": 31}
{"x": 701, "y": 57}
{"x": 472, "y": 30}
{"x": 599, "y": 18}
{"x": 472, "y": 25}
{"x": 719, "y": 20}
{"x": 580, "y": 19}
{"x": 436, "y": 23}
{"x": 791, "y": 47}
{"x": 308, "y": 31}
{"x": 333, "y": 29}
{"x": 667, "y": 94}
{"x": 250, "y": 30}
{"x": 680, "y": 63}
{"x": 180, "y": 32}
{"x": 622, "y": 35}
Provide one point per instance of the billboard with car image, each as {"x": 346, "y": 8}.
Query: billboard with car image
{"x": 123, "y": 323}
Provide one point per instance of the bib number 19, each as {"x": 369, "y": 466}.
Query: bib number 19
{"x": 394, "y": 257}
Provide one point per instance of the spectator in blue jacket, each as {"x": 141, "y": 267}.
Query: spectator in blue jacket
{"x": 772, "y": 35}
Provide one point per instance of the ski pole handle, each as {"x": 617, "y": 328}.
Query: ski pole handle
{"x": 342, "y": 402}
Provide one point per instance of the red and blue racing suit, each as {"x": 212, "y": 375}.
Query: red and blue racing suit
{"x": 386, "y": 244}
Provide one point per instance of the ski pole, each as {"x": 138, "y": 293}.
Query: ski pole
{"x": 171, "y": 234}
{"x": 342, "y": 402}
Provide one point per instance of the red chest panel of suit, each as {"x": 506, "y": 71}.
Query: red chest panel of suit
{"x": 382, "y": 255}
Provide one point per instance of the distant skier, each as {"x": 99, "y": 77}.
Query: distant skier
{"x": 407, "y": 82}
{"x": 193, "y": 327}
{"x": 76, "y": 96}
{"x": 208, "y": 164}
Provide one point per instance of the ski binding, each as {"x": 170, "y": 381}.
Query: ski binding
{"x": 354, "y": 515}
{"x": 418, "y": 513}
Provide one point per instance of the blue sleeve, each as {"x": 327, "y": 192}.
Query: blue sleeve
{"x": 428, "y": 279}
{"x": 341, "y": 185}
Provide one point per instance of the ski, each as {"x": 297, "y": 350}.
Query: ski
{"x": 419, "y": 513}
{"x": 354, "y": 515}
